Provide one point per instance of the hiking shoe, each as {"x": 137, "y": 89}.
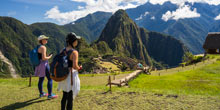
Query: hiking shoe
{"x": 43, "y": 94}
{"x": 52, "y": 96}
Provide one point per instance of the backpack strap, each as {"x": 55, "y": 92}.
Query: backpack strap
{"x": 68, "y": 54}
{"x": 71, "y": 77}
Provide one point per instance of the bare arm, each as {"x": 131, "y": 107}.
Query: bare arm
{"x": 43, "y": 51}
{"x": 75, "y": 60}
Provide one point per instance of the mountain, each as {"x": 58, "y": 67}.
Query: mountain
{"x": 16, "y": 40}
{"x": 163, "y": 48}
{"x": 126, "y": 39}
{"x": 90, "y": 26}
{"x": 215, "y": 27}
{"x": 56, "y": 33}
{"x": 122, "y": 36}
{"x": 191, "y": 31}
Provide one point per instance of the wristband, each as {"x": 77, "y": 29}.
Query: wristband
{"x": 80, "y": 68}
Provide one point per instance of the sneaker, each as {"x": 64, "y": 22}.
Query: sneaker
{"x": 44, "y": 94}
{"x": 52, "y": 96}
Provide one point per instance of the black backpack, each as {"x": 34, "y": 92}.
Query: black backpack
{"x": 59, "y": 69}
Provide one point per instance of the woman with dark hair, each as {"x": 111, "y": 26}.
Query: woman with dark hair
{"x": 43, "y": 68}
{"x": 71, "y": 85}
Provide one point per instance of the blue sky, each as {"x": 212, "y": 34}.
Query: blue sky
{"x": 66, "y": 11}
{"x": 31, "y": 11}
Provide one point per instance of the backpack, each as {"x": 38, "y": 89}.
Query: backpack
{"x": 33, "y": 55}
{"x": 59, "y": 69}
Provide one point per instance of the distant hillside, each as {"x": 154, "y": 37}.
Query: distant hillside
{"x": 215, "y": 27}
{"x": 16, "y": 40}
{"x": 126, "y": 39}
{"x": 56, "y": 33}
{"x": 90, "y": 26}
{"x": 191, "y": 31}
{"x": 163, "y": 48}
{"x": 121, "y": 37}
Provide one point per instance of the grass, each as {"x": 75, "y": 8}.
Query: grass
{"x": 203, "y": 80}
{"x": 190, "y": 89}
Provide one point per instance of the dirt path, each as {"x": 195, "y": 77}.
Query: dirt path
{"x": 11, "y": 67}
{"x": 124, "y": 80}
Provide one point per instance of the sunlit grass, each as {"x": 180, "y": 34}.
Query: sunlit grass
{"x": 201, "y": 81}
{"x": 196, "y": 88}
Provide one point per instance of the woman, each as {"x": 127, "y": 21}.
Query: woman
{"x": 43, "y": 68}
{"x": 71, "y": 85}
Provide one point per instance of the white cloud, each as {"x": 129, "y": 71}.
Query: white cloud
{"x": 217, "y": 17}
{"x": 80, "y": 7}
{"x": 153, "y": 18}
{"x": 141, "y": 16}
{"x": 211, "y": 2}
{"x": 91, "y": 7}
{"x": 65, "y": 17}
{"x": 146, "y": 13}
{"x": 182, "y": 12}
{"x": 113, "y": 5}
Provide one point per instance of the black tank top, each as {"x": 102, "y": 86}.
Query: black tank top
{"x": 70, "y": 63}
{"x": 39, "y": 55}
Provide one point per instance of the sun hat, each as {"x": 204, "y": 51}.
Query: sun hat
{"x": 41, "y": 37}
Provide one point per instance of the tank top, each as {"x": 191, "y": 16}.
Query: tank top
{"x": 39, "y": 56}
{"x": 70, "y": 63}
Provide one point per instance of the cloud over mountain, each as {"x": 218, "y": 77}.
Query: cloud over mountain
{"x": 182, "y": 12}
{"x": 91, "y": 6}
{"x": 217, "y": 17}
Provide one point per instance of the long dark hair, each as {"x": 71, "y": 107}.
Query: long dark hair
{"x": 70, "y": 39}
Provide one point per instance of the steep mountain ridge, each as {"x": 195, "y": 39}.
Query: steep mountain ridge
{"x": 126, "y": 39}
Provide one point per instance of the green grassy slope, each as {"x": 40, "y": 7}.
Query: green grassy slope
{"x": 196, "y": 89}
{"x": 202, "y": 79}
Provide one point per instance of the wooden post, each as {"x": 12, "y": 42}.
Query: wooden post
{"x": 30, "y": 80}
{"x": 126, "y": 81}
{"x": 159, "y": 74}
{"x": 110, "y": 84}
{"x": 114, "y": 77}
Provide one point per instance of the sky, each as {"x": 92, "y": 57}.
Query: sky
{"x": 66, "y": 11}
